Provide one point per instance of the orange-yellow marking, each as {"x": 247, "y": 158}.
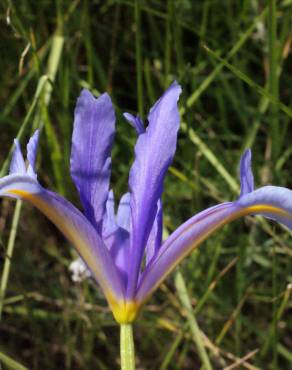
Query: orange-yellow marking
{"x": 243, "y": 212}
{"x": 123, "y": 311}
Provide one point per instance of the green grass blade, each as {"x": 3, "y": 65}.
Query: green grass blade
{"x": 214, "y": 161}
{"x": 195, "y": 330}
{"x": 139, "y": 62}
{"x": 10, "y": 363}
{"x": 260, "y": 90}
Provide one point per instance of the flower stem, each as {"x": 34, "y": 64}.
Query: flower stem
{"x": 127, "y": 347}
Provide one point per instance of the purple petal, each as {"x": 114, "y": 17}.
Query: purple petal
{"x": 246, "y": 176}
{"x": 274, "y": 202}
{"x": 270, "y": 201}
{"x": 17, "y": 164}
{"x": 136, "y": 122}
{"x": 32, "y": 148}
{"x": 118, "y": 245}
{"x": 94, "y": 127}
{"x": 118, "y": 240}
{"x": 155, "y": 236}
{"x": 124, "y": 212}
{"x": 109, "y": 222}
{"x": 154, "y": 151}
{"x": 78, "y": 230}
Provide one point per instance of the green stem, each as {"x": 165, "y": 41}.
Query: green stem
{"x": 127, "y": 347}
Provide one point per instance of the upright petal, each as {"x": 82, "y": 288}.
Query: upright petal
{"x": 124, "y": 212}
{"x": 74, "y": 226}
{"x": 155, "y": 236}
{"x": 246, "y": 175}
{"x": 17, "y": 164}
{"x": 32, "y": 148}
{"x": 118, "y": 244}
{"x": 270, "y": 201}
{"x": 136, "y": 122}
{"x": 109, "y": 224}
{"x": 116, "y": 233}
{"x": 93, "y": 133}
{"x": 154, "y": 151}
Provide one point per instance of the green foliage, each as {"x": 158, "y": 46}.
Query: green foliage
{"x": 231, "y": 58}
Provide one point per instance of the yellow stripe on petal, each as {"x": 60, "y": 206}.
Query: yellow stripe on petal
{"x": 75, "y": 237}
{"x": 163, "y": 265}
{"x": 264, "y": 208}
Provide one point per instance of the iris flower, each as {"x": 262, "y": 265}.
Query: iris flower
{"x": 122, "y": 246}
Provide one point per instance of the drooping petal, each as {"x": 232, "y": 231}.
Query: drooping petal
{"x": 155, "y": 236}
{"x": 78, "y": 230}
{"x": 270, "y": 201}
{"x": 154, "y": 151}
{"x": 17, "y": 164}
{"x": 32, "y": 148}
{"x": 136, "y": 122}
{"x": 246, "y": 175}
{"x": 274, "y": 202}
{"x": 94, "y": 126}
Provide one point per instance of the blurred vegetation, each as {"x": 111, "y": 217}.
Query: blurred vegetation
{"x": 232, "y": 59}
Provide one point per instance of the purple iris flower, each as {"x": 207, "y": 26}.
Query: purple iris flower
{"x": 123, "y": 247}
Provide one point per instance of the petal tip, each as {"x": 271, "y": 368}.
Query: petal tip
{"x": 32, "y": 148}
{"x": 246, "y": 175}
{"x": 17, "y": 165}
{"x": 135, "y": 121}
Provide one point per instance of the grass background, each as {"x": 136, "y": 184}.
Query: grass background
{"x": 232, "y": 59}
